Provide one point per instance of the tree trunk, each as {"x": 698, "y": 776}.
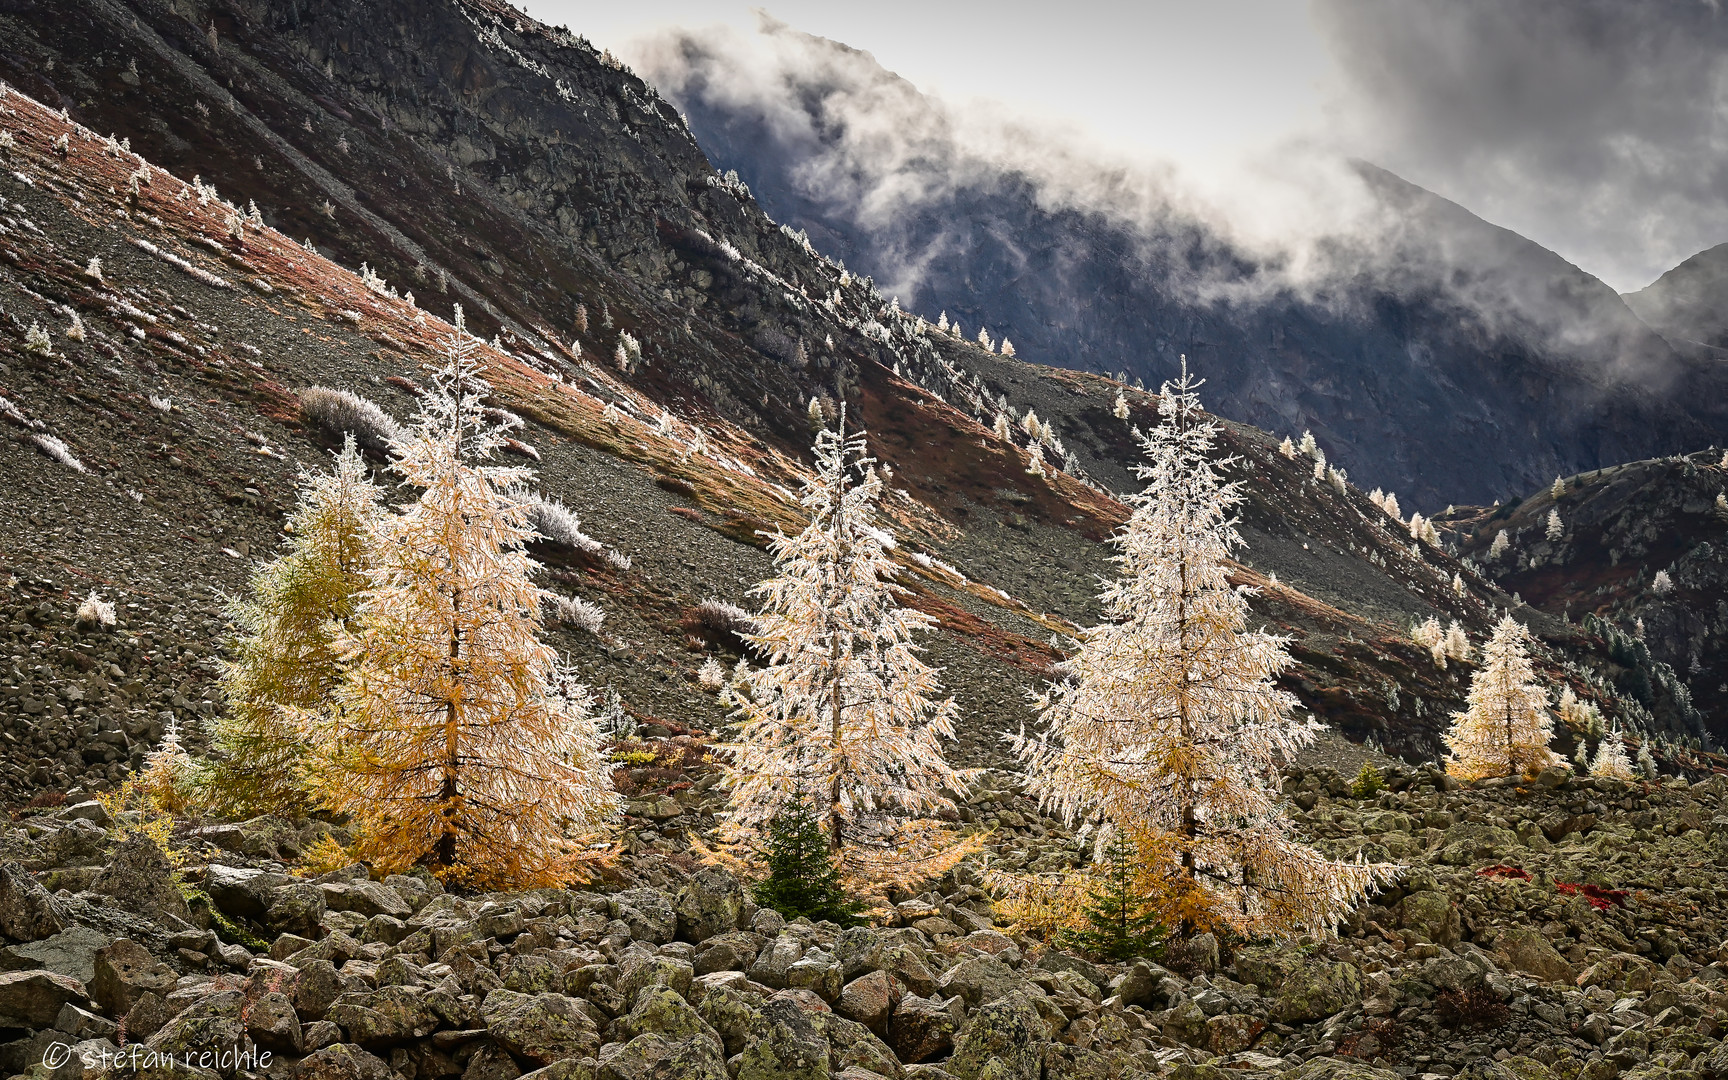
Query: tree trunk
{"x": 444, "y": 852}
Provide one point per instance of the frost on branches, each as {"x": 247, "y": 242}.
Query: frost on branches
{"x": 845, "y": 711}
{"x": 1611, "y": 762}
{"x": 1505, "y": 729}
{"x": 284, "y": 660}
{"x": 460, "y": 742}
{"x": 1167, "y": 725}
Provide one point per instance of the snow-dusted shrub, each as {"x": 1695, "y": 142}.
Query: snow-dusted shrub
{"x": 36, "y": 340}
{"x": 95, "y": 613}
{"x": 577, "y": 612}
{"x": 711, "y": 676}
{"x": 723, "y": 619}
{"x": 57, "y": 450}
{"x": 76, "y": 330}
{"x": 160, "y": 404}
{"x": 1661, "y": 584}
{"x": 340, "y": 412}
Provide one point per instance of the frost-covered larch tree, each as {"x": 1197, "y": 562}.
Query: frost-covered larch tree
{"x": 283, "y": 658}
{"x": 1504, "y": 730}
{"x": 1611, "y": 762}
{"x": 458, "y": 741}
{"x": 1168, "y": 727}
{"x": 845, "y": 712}
{"x": 1555, "y": 528}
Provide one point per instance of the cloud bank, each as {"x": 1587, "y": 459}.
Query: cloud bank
{"x": 1593, "y": 126}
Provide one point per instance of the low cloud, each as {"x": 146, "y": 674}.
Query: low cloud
{"x": 1299, "y": 219}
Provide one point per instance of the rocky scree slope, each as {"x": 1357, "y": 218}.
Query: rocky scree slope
{"x": 1566, "y": 930}
{"x": 1445, "y": 357}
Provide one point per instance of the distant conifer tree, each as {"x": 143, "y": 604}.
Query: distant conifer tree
{"x": 1611, "y": 762}
{"x": 1558, "y": 489}
{"x": 1120, "y": 410}
{"x": 1506, "y": 728}
{"x": 1555, "y": 529}
{"x": 1502, "y": 541}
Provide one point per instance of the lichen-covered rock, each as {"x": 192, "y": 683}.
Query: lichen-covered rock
{"x": 870, "y": 999}
{"x": 541, "y": 1028}
{"x": 384, "y": 1017}
{"x": 1523, "y": 948}
{"x": 638, "y": 972}
{"x": 295, "y": 909}
{"x": 771, "y": 963}
{"x": 124, "y": 971}
{"x": 141, "y": 880}
{"x": 530, "y": 975}
{"x": 979, "y": 980}
{"x": 316, "y": 988}
{"x": 731, "y": 1014}
{"x": 209, "y": 1025}
{"x": 655, "y": 1057}
{"x": 1313, "y": 990}
{"x": 273, "y": 1024}
{"x": 1432, "y": 914}
{"x": 1001, "y": 1041}
{"x": 648, "y": 914}
{"x": 33, "y": 999}
{"x": 817, "y": 972}
{"x": 28, "y": 912}
{"x": 786, "y": 1046}
{"x": 1231, "y": 1033}
{"x": 661, "y": 1010}
{"x": 709, "y": 904}
{"x": 342, "y": 1061}
{"x": 923, "y": 1029}
{"x": 727, "y": 952}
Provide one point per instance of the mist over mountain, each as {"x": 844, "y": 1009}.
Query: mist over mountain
{"x": 1430, "y": 351}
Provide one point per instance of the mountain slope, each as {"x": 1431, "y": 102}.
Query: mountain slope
{"x": 1444, "y": 358}
{"x": 1685, "y": 304}
{"x": 224, "y": 322}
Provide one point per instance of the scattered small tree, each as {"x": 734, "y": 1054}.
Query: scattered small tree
{"x": 1120, "y": 919}
{"x": 284, "y": 661}
{"x": 844, "y": 706}
{"x": 1506, "y": 728}
{"x": 1501, "y": 542}
{"x": 1168, "y": 725}
{"x": 1662, "y": 584}
{"x": 1611, "y": 762}
{"x": 1556, "y": 529}
{"x": 457, "y": 740}
{"x": 1368, "y": 783}
{"x": 803, "y": 879}
{"x": 1558, "y": 489}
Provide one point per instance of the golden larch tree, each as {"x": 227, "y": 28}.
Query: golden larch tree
{"x": 459, "y": 742}
{"x": 1505, "y": 728}
{"x": 282, "y": 659}
{"x": 1167, "y": 727}
{"x": 845, "y": 711}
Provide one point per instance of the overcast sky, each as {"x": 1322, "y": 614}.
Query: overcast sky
{"x": 1595, "y": 127}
